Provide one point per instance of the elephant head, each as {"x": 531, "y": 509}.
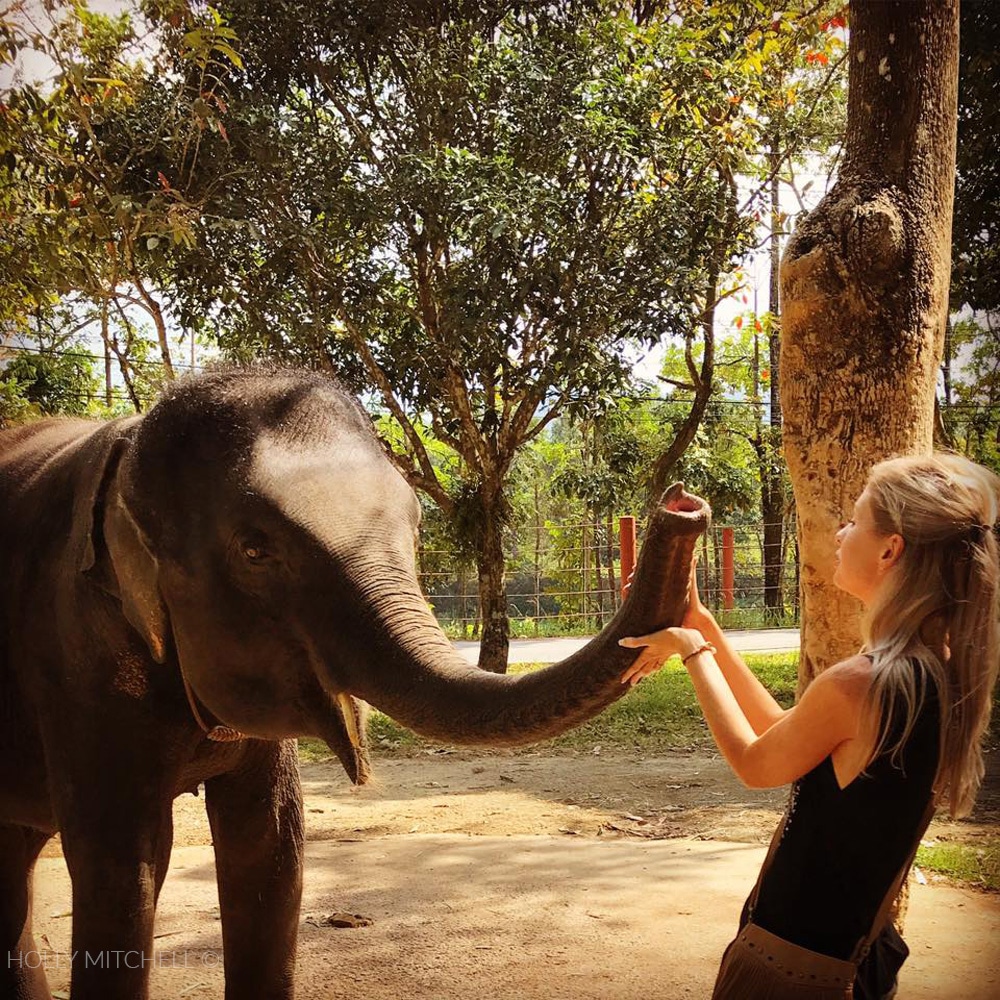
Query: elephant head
{"x": 262, "y": 542}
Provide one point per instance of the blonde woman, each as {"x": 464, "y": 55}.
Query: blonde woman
{"x": 874, "y": 742}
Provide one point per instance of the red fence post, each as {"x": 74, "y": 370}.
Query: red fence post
{"x": 626, "y": 540}
{"x": 728, "y": 567}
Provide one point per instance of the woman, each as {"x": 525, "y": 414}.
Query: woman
{"x": 874, "y": 742}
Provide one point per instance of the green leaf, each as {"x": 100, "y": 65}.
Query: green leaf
{"x": 230, "y": 53}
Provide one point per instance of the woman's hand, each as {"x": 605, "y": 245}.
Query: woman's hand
{"x": 657, "y": 648}
{"x": 696, "y": 615}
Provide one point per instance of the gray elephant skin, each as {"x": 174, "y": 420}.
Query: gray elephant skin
{"x": 248, "y": 539}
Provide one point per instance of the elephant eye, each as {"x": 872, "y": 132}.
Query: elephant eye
{"x": 254, "y": 549}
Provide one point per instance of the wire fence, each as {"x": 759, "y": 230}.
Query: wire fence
{"x": 565, "y": 579}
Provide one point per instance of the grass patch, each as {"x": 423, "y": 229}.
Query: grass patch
{"x": 778, "y": 672}
{"x": 659, "y": 714}
{"x": 383, "y": 734}
{"x": 975, "y": 864}
{"x": 662, "y": 713}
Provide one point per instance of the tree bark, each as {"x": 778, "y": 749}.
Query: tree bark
{"x": 703, "y": 391}
{"x": 156, "y": 314}
{"x": 864, "y": 292}
{"x": 494, "y": 641}
{"x": 609, "y": 528}
{"x": 771, "y": 485}
{"x": 106, "y": 337}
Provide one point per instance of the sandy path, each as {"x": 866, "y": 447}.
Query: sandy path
{"x": 475, "y": 892}
{"x": 457, "y": 916}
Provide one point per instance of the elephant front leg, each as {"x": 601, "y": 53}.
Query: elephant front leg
{"x": 117, "y": 874}
{"x": 22, "y": 968}
{"x": 257, "y": 826}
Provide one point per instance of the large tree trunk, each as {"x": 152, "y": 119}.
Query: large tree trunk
{"x": 494, "y": 641}
{"x": 864, "y": 285}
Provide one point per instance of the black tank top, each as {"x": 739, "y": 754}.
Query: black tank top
{"x": 842, "y": 848}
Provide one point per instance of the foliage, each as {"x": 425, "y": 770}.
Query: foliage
{"x": 975, "y": 279}
{"x": 488, "y": 205}
{"x": 606, "y": 462}
{"x": 56, "y": 374}
{"x": 47, "y": 384}
{"x": 574, "y": 481}
{"x": 972, "y": 400}
{"x": 720, "y": 463}
{"x": 15, "y": 407}
{"x": 98, "y": 163}
{"x": 973, "y": 419}
{"x": 473, "y": 211}
{"x": 798, "y": 73}
{"x": 802, "y": 103}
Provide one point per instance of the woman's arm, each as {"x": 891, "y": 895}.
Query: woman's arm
{"x": 757, "y": 703}
{"x": 829, "y": 713}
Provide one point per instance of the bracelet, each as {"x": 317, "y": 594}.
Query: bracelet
{"x": 705, "y": 647}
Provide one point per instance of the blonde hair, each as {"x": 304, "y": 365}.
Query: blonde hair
{"x": 941, "y": 594}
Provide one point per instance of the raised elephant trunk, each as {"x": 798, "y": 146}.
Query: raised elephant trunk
{"x": 416, "y": 677}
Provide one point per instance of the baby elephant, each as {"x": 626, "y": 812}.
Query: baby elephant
{"x": 183, "y": 594}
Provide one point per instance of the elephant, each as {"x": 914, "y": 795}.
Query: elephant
{"x": 187, "y": 591}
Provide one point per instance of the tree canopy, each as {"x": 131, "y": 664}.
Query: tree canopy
{"x": 479, "y": 215}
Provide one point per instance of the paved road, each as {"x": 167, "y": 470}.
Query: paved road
{"x": 552, "y": 650}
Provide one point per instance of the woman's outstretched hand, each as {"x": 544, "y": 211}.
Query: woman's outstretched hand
{"x": 696, "y": 615}
{"x": 657, "y": 648}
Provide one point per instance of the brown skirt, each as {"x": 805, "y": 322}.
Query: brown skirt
{"x": 759, "y": 965}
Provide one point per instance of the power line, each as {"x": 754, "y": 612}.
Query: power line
{"x": 766, "y": 403}
{"x": 81, "y": 352}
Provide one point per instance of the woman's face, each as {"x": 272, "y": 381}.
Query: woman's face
{"x": 864, "y": 555}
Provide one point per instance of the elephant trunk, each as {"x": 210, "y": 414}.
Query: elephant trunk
{"x": 414, "y": 675}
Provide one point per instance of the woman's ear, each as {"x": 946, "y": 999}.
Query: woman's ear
{"x": 892, "y": 552}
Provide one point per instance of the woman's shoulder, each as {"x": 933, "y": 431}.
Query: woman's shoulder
{"x": 850, "y": 678}
{"x": 855, "y": 670}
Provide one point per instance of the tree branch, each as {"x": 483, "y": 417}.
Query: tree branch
{"x": 418, "y": 453}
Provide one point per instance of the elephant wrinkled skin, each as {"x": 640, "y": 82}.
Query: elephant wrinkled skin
{"x": 250, "y": 537}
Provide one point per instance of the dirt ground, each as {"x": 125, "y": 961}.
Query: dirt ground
{"x": 586, "y": 875}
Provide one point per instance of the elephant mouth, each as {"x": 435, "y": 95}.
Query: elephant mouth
{"x": 346, "y": 738}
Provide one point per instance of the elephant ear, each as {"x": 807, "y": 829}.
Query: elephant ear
{"x": 137, "y": 571}
{"x": 115, "y": 554}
